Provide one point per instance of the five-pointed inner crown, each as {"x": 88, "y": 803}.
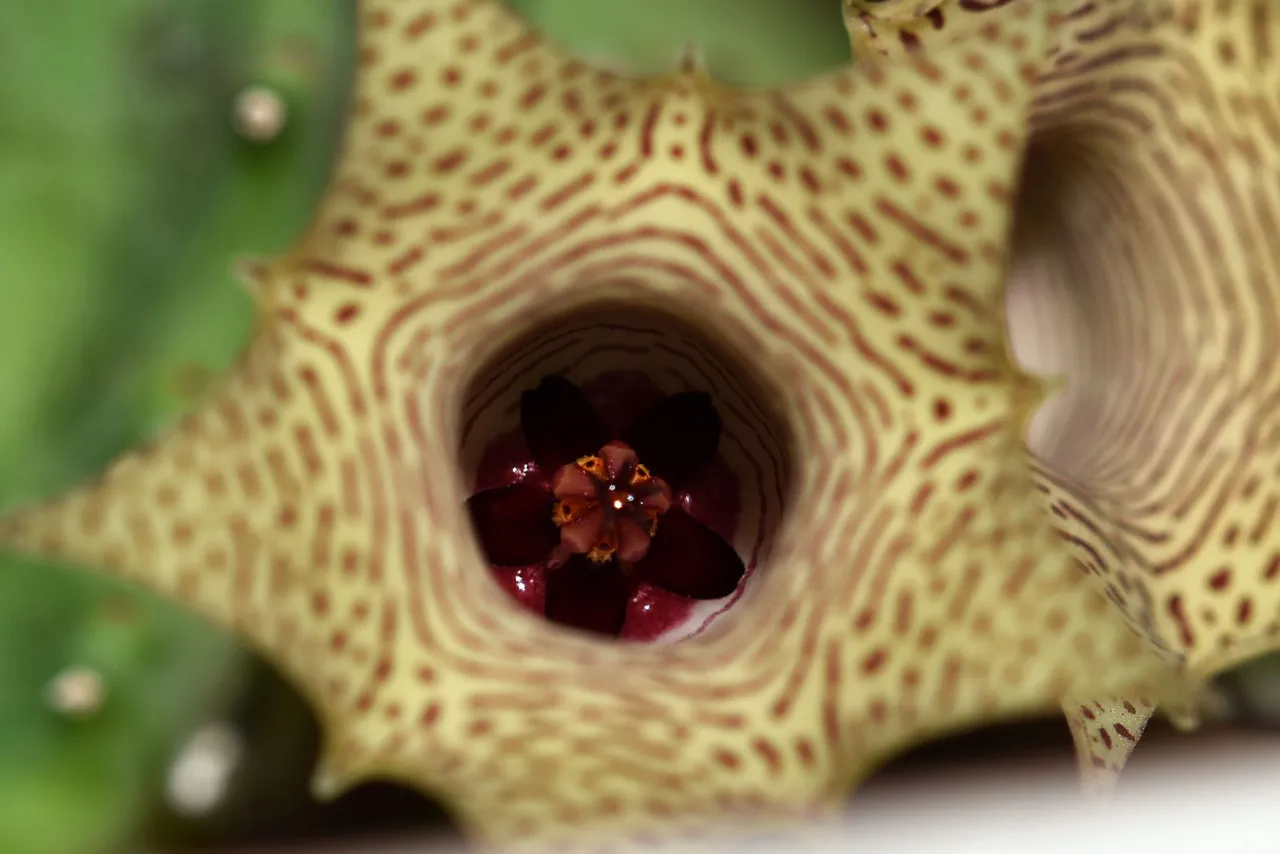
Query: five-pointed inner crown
{"x": 608, "y": 505}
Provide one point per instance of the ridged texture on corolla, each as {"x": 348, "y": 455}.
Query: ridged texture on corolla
{"x": 1145, "y": 273}
{"x": 847, "y": 239}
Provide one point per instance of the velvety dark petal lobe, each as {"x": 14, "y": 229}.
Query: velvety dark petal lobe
{"x": 559, "y": 424}
{"x": 676, "y": 436}
{"x": 688, "y": 558}
{"x": 514, "y": 523}
{"x": 588, "y": 596}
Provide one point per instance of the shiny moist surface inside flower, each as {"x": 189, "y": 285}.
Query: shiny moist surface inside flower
{"x": 598, "y": 528}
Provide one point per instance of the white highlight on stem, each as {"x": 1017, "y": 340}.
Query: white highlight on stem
{"x": 199, "y": 776}
{"x": 77, "y": 692}
{"x": 259, "y": 113}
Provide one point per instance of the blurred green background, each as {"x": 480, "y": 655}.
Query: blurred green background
{"x": 144, "y": 146}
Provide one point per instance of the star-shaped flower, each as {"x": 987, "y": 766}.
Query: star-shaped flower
{"x": 833, "y": 261}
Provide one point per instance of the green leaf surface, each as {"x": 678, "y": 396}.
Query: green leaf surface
{"x": 125, "y": 195}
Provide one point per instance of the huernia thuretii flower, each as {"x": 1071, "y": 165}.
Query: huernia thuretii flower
{"x": 865, "y": 277}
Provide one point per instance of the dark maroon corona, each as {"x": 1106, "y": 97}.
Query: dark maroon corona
{"x": 587, "y": 528}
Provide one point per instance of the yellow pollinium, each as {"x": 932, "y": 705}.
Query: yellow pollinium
{"x": 855, "y": 239}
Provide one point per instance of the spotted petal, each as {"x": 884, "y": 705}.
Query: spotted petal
{"x": 1105, "y": 732}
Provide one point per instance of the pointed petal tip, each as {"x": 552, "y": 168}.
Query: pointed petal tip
{"x": 328, "y": 783}
{"x": 254, "y": 273}
{"x": 251, "y": 270}
{"x": 1100, "y": 755}
{"x": 43, "y": 530}
{"x": 692, "y": 60}
{"x": 688, "y": 558}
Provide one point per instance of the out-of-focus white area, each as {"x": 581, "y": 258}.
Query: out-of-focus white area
{"x": 259, "y": 113}
{"x": 76, "y": 692}
{"x": 1204, "y": 796}
{"x": 200, "y": 773}
{"x": 1199, "y": 795}
{"x": 1220, "y": 795}
{"x": 1193, "y": 801}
